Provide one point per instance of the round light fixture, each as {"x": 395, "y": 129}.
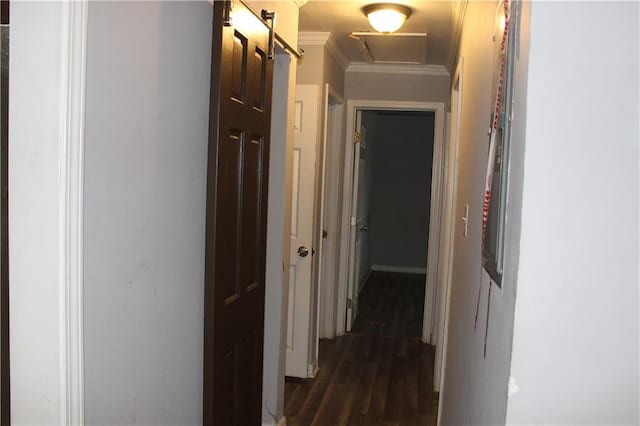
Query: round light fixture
{"x": 386, "y": 17}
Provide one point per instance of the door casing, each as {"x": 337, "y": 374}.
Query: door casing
{"x": 346, "y": 242}
{"x": 447, "y": 236}
{"x": 333, "y": 117}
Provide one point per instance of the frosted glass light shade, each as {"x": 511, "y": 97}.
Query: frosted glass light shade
{"x": 386, "y": 17}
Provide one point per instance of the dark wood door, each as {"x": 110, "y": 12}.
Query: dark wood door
{"x": 238, "y": 158}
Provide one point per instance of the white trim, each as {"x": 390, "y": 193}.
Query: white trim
{"x": 300, "y": 3}
{"x": 411, "y": 69}
{"x": 364, "y": 281}
{"x": 326, "y": 39}
{"x": 319, "y": 242}
{"x": 347, "y": 194}
{"x": 334, "y": 140}
{"x": 377, "y": 34}
{"x": 312, "y": 370}
{"x": 71, "y": 178}
{"x": 313, "y": 38}
{"x": 435, "y": 225}
{"x": 282, "y": 422}
{"x": 399, "y": 269}
{"x": 448, "y": 241}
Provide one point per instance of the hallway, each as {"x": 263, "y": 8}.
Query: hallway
{"x": 391, "y": 305}
{"x": 373, "y": 377}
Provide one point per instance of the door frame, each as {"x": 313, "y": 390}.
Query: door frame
{"x": 332, "y": 124}
{"x": 346, "y": 243}
{"x": 447, "y": 240}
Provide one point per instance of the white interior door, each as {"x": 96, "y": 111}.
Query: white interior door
{"x": 355, "y": 237}
{"x": 302, "y": 214}
{"x": 334, "y": 148}
{"x": 363, "y": 265}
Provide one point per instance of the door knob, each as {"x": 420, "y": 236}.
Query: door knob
{"x": 303, "y": 251}
{"x": 364, "y": 228}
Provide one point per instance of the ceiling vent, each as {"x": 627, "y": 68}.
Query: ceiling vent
{"x": 397, "y": 48}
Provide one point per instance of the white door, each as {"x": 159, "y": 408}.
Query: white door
{"x": 358, "y": 225}
{"x": 363, "y": 264}
{"x": 302, "y": 214}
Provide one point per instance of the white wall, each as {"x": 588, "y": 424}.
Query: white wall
{"x": 333, "y": 73}
{"x": 575, "y": 348}
{"x": 475, "y": 387}
{"x": 146, "y": 143}
{"x": 402, "y": 157}
{"x": 332, "y": 217}
{"x": 572, "y": 225}
{"x": 311, "y": 66}
{"x": 398, "y": 87}
{"x": 34, "y": 129}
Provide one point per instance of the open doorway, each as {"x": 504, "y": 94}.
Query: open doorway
{"x": 363, "y": 375}
{"x": 392, "y": 198}
{"x": 350, "y": 276}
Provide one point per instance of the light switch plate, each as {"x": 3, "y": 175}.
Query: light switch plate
{"x": 465, "y": 220}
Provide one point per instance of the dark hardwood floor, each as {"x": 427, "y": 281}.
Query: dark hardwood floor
{"x": 391, "y": 304}
{"x": 373, "y": 379}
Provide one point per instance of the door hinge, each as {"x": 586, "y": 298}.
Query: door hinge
{"x": 349, "y": 303}
{"x": 356, "y": 137}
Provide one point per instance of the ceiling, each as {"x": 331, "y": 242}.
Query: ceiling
{"x": 343, "y": 17}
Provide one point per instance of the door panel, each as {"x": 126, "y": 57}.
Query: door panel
{"x": 362, "y": 216}
{"x": 354, "y": 239}
{"x": 236, "y": 219}
{"x": 302, "y": 214}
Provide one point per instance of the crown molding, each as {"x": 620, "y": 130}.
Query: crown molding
{"x": 313, "y": 38}
{"x": 325, "y": 39}
{"x": 412, "y": 69}
{"x": 300, "y": 3}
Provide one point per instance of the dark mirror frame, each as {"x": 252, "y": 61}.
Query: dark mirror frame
{"x": 493, "y": 249}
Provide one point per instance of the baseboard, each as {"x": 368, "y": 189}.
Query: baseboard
{"x": 282, "y": 422}
{"x": 399, "y": 269}
{"x": 364, "y": 280}
{"x": 312, "y": 370}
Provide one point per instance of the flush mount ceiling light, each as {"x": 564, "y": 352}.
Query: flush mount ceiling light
{"x": 386, "y": 17}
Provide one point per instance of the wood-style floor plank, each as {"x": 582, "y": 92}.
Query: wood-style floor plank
{"x": 391, "y": 304}
{"x": 381, "y": 375}
{"x": 366, "y": 380}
